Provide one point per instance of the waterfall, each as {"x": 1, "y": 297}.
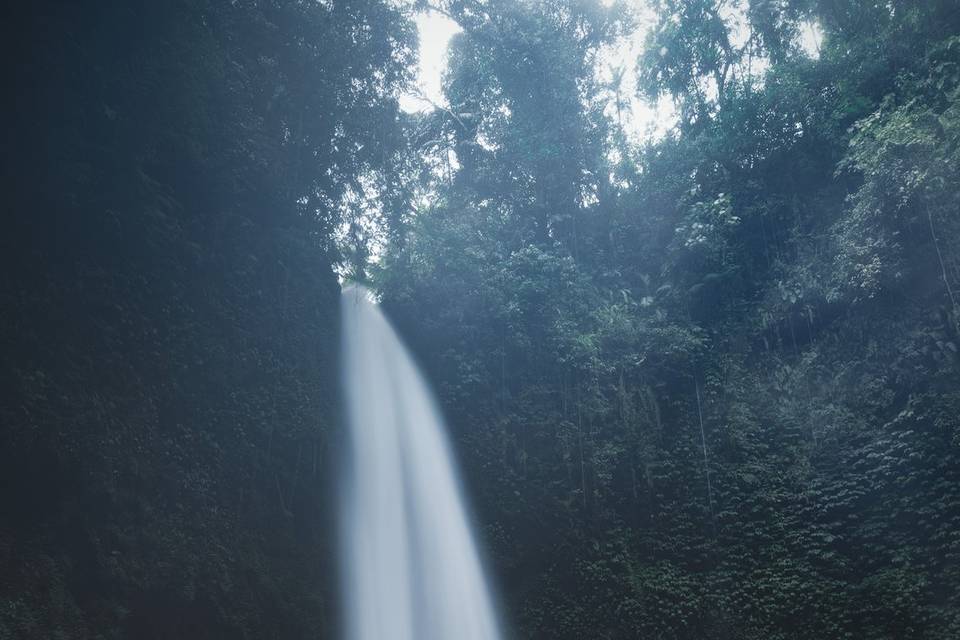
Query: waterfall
{"x": 411, "y": 570}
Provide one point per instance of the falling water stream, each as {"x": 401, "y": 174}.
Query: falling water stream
{"x": 411, "y": 569}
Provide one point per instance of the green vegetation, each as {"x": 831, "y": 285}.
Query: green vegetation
{"x": 703, "y": 386}
{"x": 706, "y": 387}
{"x": 169, "y": 313}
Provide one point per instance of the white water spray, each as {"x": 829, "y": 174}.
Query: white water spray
{"x": 410, "y": 565}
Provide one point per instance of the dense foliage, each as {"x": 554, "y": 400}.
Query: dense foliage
{"x": 173, "y": 174}
{"x": 703, "y": 386}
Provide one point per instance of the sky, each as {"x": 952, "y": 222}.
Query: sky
{"x": 642, "y": 121}
{"x": 435, "y": 32}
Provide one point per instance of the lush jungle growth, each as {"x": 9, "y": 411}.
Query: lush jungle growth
{"x": 703, "y": 386}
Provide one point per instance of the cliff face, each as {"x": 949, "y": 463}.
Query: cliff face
{"x": 168, "y": 332}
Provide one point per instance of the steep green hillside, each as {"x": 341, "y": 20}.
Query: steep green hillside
{"x": 169, "y": 311}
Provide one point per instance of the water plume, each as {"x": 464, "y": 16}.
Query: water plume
{"x": 411, "y": 569}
